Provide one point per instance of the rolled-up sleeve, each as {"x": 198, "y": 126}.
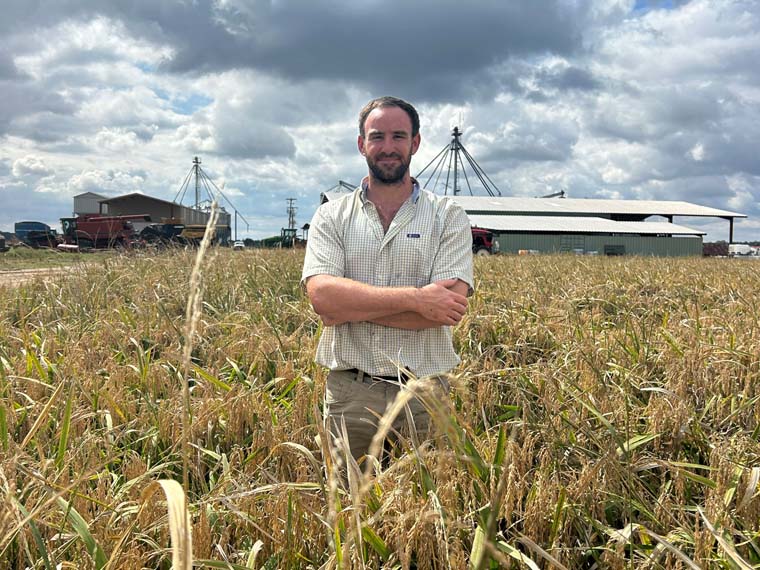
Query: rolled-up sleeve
{"x": 453, "y": 260}
{"x": 325, "y": 254}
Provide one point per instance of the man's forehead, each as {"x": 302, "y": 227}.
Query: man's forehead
{"x": 388, "y": 119}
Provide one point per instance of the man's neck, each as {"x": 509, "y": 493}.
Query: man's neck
{"x": 387, "y": 195}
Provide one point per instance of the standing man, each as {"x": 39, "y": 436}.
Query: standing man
{"x": 388, "y": 269}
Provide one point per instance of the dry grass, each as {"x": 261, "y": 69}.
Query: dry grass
{"x": 605, "y": 415}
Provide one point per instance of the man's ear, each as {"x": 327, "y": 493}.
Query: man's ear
{"x": 416, "y": 142}
{"x": 360, "y": 144}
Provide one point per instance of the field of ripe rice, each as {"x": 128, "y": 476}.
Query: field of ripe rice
{"x": 606, "y": 415}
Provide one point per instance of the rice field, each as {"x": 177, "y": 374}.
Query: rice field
{"x": 606, "y": 414}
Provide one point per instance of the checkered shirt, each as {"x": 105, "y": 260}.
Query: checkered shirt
{"x": 428, "y": 240}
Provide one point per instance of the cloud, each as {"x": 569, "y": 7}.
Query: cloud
{"x": 30, "y": 166}
{"x": 104, "y": 182}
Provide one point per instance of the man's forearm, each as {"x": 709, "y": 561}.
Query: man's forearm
{"x": 408, "y": 320}
{"x": 339, "y": 300}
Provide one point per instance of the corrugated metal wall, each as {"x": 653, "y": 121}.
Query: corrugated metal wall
{"x": 579, "y": 243}
{"x": 160, "y": 211}
{"x": 87, "y": 204}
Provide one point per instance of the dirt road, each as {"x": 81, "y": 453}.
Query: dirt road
{"x": 16, "y": 277}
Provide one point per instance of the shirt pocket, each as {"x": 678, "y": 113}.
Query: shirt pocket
{"x": 412, "y": 260}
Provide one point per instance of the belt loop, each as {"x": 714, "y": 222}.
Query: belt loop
{"x": 360, "y": 376}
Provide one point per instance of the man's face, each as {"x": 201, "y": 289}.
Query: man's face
{"x": 388, "y": 144}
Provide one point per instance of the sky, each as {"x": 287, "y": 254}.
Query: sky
{"x": 629, "y": 99}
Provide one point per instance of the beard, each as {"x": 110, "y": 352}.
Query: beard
{"x": 390, "y": 174}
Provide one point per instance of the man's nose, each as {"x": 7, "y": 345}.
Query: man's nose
{"x": 388, "y": 143}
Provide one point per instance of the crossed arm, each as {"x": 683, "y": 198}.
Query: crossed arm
{"x": 338, "y": 300}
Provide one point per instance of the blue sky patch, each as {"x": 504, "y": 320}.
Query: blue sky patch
{"x": 190, "y": 104}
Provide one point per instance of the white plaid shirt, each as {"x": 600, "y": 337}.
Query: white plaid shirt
{"x": 428, "y": 240}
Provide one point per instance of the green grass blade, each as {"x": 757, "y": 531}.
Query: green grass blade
{"x": 83, "y": 530}
{"x": 478, "y": 550}
{"x": 377, "y": 543}
{"x": 63, "y": 439}
{"x": 635, "y": 442}
{"x": 41, "y": 548}
{"x": 211, "y": 379}
{"x": 516, "y": 554}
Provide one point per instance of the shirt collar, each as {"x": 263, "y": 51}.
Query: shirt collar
{"x": 365, "y": 186}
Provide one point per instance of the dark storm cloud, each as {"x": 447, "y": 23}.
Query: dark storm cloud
{"x": 569, "y": 78}
{"x": 433, "y": 50}
{"x": 392, "y": 45}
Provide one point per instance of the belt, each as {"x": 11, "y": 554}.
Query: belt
{"x": 403, "y": 376}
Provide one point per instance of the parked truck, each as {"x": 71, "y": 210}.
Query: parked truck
{"x": 99, "y": 232}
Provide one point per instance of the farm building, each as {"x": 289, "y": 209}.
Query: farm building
{"x": 88, "y": 203}
{"x": 611, "y": 227}
{"x": 160, "y": 211}
{"x": 607, "y": 227}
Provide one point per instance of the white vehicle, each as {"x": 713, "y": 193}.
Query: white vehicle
{"x": 238, "y": 245}
{"x": 742, "y": 250}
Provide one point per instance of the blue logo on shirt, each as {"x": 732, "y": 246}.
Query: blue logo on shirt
{"x": 412, "y": 235}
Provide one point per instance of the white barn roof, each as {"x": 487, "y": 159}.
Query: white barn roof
{"x": 576, "y": 206}
{"x": 576, "y": 224}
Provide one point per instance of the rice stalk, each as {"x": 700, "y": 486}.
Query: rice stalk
{"x": 727, "y": 547}
{"x": 43, "y": 415}
{"x": 182, "y": 554}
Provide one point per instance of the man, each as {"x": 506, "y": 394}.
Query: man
{"x": 388, "y": 269}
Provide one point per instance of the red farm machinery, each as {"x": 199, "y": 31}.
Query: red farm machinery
{"x": 100, "y": 232}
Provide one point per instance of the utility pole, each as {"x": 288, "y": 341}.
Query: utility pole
{"x": 291, "y": 214}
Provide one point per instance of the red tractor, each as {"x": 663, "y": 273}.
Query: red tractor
{"x": 97, "y": 231}
{"x": 483, "y": 242}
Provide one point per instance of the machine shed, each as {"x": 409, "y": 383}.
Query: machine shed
{"x": 589, "y": 235}
{"x": 605, "y": 227}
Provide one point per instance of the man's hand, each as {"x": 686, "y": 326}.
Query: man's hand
{"x": 440, "y": 303}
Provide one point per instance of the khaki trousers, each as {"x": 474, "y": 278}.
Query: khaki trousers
{"x": 359, "y": 403}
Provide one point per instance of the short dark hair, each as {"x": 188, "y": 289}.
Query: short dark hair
{"x": 390, "y": 102}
